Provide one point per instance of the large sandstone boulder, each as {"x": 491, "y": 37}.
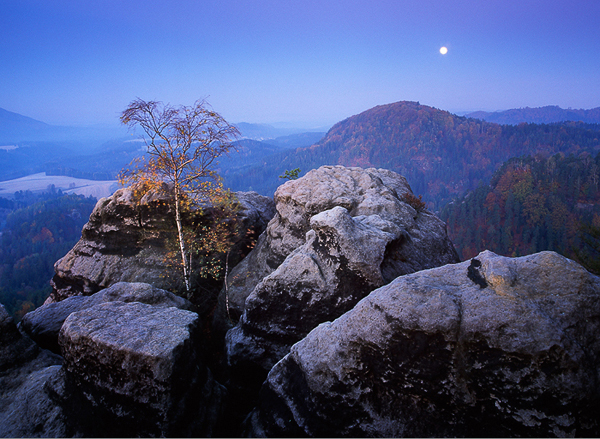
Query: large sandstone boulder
{"x": 125, "y": 241}
{"x": 360, "y": 191}
{"x": 339, "y": 234}
{"x": 26, "y": 408}
{"x": 490, "y": 347}
{"x": 133, "y": 370}
{"x": 43, "y": 324}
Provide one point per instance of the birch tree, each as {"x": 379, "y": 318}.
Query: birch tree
{"x": 182, "y": 145}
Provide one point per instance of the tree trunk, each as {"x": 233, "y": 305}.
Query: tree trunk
{"x": 186, "y": 268}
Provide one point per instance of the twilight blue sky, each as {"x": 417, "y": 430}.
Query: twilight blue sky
{"x": 306, "y": 62}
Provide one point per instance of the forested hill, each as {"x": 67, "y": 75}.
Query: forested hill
{"x": 35, "y": 231}
{"x": 531, "y": 204}
{"x": 442, "y": 155}
{"x": 548, "y": 114}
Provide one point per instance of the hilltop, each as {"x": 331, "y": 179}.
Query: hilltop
{"x": 29, "y": 146}
{"x": 13, "y": 126}
{"x": 441, "y": 154}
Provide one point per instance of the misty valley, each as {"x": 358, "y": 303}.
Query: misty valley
{"x": 548, "y": 175}
{"x": 401, "y": 248}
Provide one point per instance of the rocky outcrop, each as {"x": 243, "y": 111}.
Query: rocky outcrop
{"x": 361, "y": 192}
{"x": 26, "y": 409}
{"x": 341, "y": 304}
{"x": 132, "y": 369}
{"x": 44, "y": 323}
{"x": 489, "y": 347}
{"x": 339, "y": 233}
{"x": 132, "y": 365}
{"x": 125, "y": 241}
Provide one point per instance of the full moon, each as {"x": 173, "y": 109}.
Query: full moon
{"x": 443, "y": 50}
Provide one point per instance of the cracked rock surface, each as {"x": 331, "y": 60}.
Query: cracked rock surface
{"x": 494, "y": 346}
{"x": 339, "y": 233}
{"x": 133, "y": 369}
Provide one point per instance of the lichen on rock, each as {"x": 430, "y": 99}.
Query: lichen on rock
{"x": 138, "y": 366}
{"x": 338, "y": 234}
{"x": 435, "y": 354}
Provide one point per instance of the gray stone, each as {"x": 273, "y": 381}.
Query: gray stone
{"x": 346, "y": 252}
{"x": 136, "y": 367}
{"x": 43, "y": 324}
{"x": 255, "y": 210}
{"x": 125, "y": 240}
{"x": 25, "y": 408}
{"x": 362, "y": 192}
{"x": 30, "y": 411}
{"x": 143, "y": 293}
{"x": 14, "y": 348}
{"x": 327, "y": 276}
{"x": 490, "y": 347}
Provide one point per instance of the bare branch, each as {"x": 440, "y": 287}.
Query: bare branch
{"x": 182, "y": 144}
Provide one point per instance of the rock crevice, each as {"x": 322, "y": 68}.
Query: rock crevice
{"x": 346, "y": 252}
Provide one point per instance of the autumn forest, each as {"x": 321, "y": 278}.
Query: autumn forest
{"x": 512, "y": 189}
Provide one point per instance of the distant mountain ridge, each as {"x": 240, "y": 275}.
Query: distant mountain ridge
{"x": 14, "y": 125}
{"x": 29, "y": 146}
{"x": 548, "y": 114}
{"x": 262, "y": 131}
{"x": 442, "y": 155}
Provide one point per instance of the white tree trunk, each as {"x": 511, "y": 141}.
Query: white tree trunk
{"x": 186, "y": 267}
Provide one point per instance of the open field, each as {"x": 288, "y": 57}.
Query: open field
{"x": 40, "y": 182}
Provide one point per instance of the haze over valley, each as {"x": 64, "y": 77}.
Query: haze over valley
{"x": 299, "y": 218}
{"x": 264, "y": 152}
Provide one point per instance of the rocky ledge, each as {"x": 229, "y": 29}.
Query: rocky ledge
{"x": 125, "y": 241}
{"x": 129, "y": 369}
{"x": 43, "y": 324}
{"x": 132, "y": 369}
{"x": 339, "y": 233}
{"x": 489, "y": 347}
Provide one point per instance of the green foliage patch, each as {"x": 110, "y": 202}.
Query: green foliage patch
{"x": 37, "y": 230}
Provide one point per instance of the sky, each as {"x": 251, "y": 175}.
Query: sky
{"x": 307, "y": 63}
